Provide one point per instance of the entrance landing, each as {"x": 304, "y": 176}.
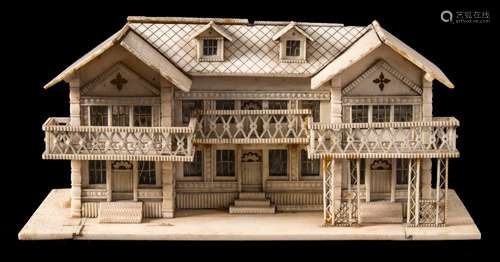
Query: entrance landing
{"x": 53, "y": 221}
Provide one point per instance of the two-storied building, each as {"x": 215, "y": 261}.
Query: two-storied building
{"x": 188, "y": 113}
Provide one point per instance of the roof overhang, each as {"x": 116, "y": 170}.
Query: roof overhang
{"x": 371, "y": 40}
{"x": 216, "y": 28}
{"x": 290, "y": 26}
{"x": 139, "y": 48}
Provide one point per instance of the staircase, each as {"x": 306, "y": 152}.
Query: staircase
{"x": 121, "y": 212}
{"x": 252, "y": 203}
{"x": 381, "y": 212}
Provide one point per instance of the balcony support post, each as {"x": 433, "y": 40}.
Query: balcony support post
{"x": 426, "y": 168}
{"x": 76, "y": 165}
{"x": 167, "y": 168}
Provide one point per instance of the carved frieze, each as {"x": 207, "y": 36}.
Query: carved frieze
{"x": 261, "y": 95}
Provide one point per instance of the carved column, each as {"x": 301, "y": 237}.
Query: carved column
{"x": 336, "y": 117}
{"x": 294, "y": 162}
{"x": 426, "y": 168}
{"x": 76, "y": 165}
{"x": 167, "y": 168}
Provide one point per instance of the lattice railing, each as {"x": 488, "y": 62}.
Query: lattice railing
{"x": 63, "y": 141}
{"x": 252, "y": 126}
{"x": 430, "y": 139}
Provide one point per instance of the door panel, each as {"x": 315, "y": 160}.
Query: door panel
{"x": 251, "y": 171}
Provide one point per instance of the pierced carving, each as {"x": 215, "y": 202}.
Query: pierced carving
{"x": 251, "y": 156}
{"x": 380, "y": 164}
{"x": 122, "y": 165}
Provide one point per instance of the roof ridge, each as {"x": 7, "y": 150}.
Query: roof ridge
{"x": 186, "y": 20}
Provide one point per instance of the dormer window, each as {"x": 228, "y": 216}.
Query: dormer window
{"x": 210, "y": 43}
{"x": 293, "y": 44}
{"x": 210, "y": 47}
{"x": 293, "y": 48}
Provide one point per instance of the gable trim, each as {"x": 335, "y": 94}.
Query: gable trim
{"x": 290, "y": 26}
{"x": 381, "y": 64}
{"x": 215, "y": 27}
{"x": 114, "y": 69}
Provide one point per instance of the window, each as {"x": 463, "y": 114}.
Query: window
{"x": 362, "y": 168}
{"x": 402, "y": 171}
{"x": 120, "y": 115}
{"x": 142, "y": 116}
{"x": 224, "y": 105}
{"x": 195, "y": 168}
{"x": 403, "y": 113}
{"x": 359, "y": 114}
{"x": 98, "y": 115}
{"x": 188, "y": 107}
{"x": 147, "y": 173}
{"x": 381, "y": 113}
{"x": 251, "y": 105}
{"x": 225, "y": 163}
{"x": 278, "y": 104}
{"x": 314, "y": 106}
{"x": 97, "y": 172}
{"x": 308, "y": 167}
{"x": 293, "y": 48}
{"x": 209, "y": 47}
{"x": 278, "y": 162}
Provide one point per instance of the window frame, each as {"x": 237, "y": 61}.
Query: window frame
{"x": 197, "y": 177}
{"x": 315, "y": 112}
{"x": 301, "y": 164}
{"x": 153, "y": 171}
{"x": 191, "y": 105}
{"x": 218, "y": 56}
{"x": 136, "y": 114}
{"x": 370, "y": 112}
{"x": 292, "y": 48}
{"x": 103, "y": 171}
{"x": 402, "y": 167}
{"x": 287, "y": 169}
{"x": 217, "y": 163}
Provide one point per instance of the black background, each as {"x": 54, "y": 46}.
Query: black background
{"x": 43, "y": 39}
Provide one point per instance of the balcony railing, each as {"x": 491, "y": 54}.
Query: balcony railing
{"x": 431, "y": 139}
{"x": 63, "y": 141}
{"x": 252, "y": 126}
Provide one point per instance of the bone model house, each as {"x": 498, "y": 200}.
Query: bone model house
{"x": 261, "y": 117}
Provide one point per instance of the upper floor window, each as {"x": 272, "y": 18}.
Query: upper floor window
{"x": 195, "y": 168}
{"x": 314, "y": 106}
{"x": 278, "y": 104}
{"x": 381, "y": 113}
{"x": 97, "y": 172}
{"x": 251, "y": 105}
{"x": 403, "y": 113}
{"x": 359, "y": 114}
{"x": 308, "y": 167}
{"x": 147, "y": 173}
{"x": 224, "y": 105}
{"x": 143, "y": 116}
{"x": 188, "y": 107}
{"x": 278, "y": 162}
{"x": 225, "y": 163}
{"x": 293, "y": 48}
{"x": 98, "y": 115}
{"x": 120, "y": 115}
{"x": 210, "y": 47}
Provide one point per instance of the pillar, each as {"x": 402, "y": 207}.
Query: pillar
{"x": 76, "y": 165}
{"x": 426, "y": 164}
{"x": 167, "y": 168}
{"x": 336, "y": 117}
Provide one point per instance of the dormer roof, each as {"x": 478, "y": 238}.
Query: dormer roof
{"x": 291, "y": 26}
{"x": 216, "y": 28}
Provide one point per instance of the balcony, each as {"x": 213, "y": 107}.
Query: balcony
{"x": 431, "y": 139}
{"x": 63, "y": 141}
{"x": 252, "y": 127}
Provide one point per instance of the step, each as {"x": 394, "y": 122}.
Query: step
{"x": 252, "y": 210}
{"x": 252, "y": 195}
{"x": 381, "y": 212}
{"x": 252, "y": 203}
{"x": 123, "y": 212}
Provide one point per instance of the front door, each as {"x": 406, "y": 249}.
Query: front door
{"x": 380, "y": 179}
{"x": 251, "y": 171}
{"x": 122, "y": 180}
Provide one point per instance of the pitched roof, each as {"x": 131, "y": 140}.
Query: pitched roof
{"x": 375, "y": 37}
{"x": 290, "y": 26}
{"x": 215, "y": 27}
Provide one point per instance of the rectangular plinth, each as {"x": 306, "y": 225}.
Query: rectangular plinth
{"x": 53, "y": 221}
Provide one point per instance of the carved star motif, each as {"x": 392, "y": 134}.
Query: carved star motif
{"x": 381, "y": 81}
{"x": 119, "y": 81}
